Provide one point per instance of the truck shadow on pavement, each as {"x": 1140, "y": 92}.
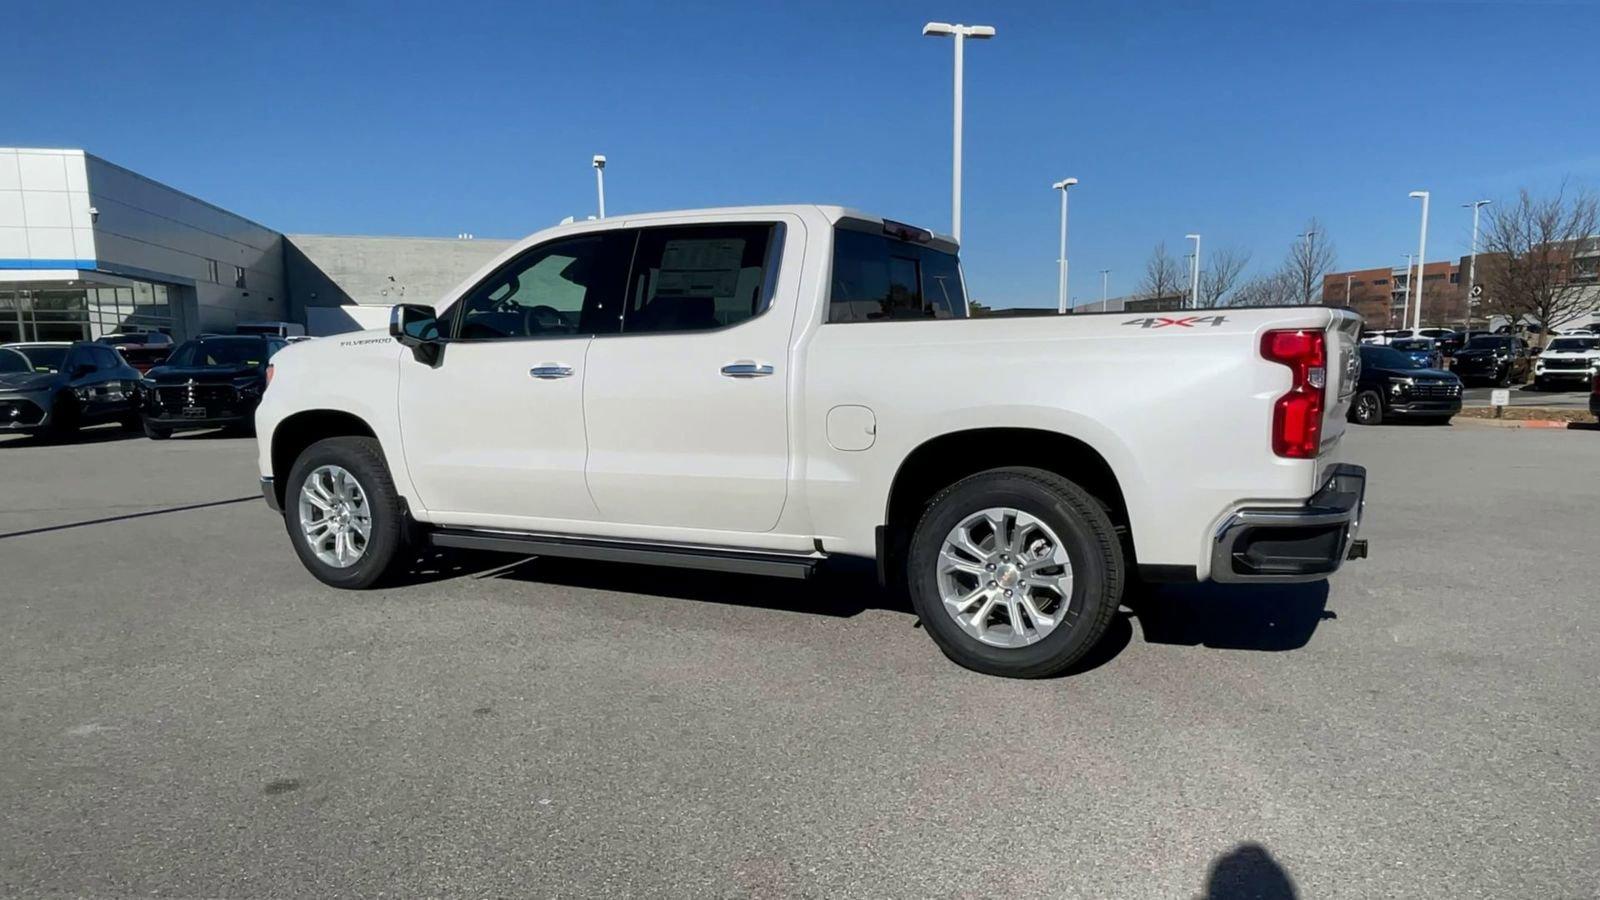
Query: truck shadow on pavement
{"x": 1270, "y": 617}
{"x": 1226, "y": 617}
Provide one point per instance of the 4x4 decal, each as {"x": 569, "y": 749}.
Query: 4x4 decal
{"x": 1181, "y": 322}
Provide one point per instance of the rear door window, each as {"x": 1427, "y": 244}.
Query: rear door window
{"x": 700, "y": 277}
{"x": 879, "y": 278}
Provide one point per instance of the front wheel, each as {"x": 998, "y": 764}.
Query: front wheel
{"x": 1015, "y": 572}
{"x": 342, "y": 512}
{"x": 156, "y": 432}
{"x": 1368, "y": 409}
{"x": 1503, "y": 377}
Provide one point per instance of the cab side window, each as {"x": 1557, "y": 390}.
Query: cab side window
{"x": 699, "y": 277}
{"x": 570, "y": 286}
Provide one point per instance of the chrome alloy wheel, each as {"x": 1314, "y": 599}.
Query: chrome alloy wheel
{"x": 334, "y": 516}
{"x": 1005, "y": 577}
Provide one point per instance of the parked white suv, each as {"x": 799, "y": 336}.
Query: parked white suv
{"x": 762, "y": 390}
{"x": 1573, "y": 360}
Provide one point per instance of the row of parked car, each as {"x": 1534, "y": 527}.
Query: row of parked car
{"x": 1420, "y": 373}
{"x": 143, "y": 381}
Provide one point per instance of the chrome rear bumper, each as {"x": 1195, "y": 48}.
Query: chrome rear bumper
{"x": 1304, "y": 543}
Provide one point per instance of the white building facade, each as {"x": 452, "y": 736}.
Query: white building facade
{"x": 88, "y": 248}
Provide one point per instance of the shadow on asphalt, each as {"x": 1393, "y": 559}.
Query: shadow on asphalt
{"x": 126, "y": 516}
{"x": 1225, "y": 617}
{"x": 1271, "y": 617}
{"x": 1248, "y": 872}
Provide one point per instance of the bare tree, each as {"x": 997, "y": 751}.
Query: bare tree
{"x": 1532, "y": 248}
{"x": 1280, "y": 288}
{"x": 1221, "y": 273}
{"x": 1163, "y": 277}
{"x": 1311, "y": 256}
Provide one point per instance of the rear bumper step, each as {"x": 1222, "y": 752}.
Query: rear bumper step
{"x": 1298, "y": 543}
{"x": 685, "y": 556}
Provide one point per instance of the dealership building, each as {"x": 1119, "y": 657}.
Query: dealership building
{"x": 88, "y": 248}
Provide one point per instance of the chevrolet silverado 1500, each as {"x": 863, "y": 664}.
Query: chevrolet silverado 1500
{"x": 761, "y": 389}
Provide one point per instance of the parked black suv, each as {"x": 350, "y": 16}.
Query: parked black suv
{"x": 1394, "y": 384}
{"x": 1497, "y": 358}
{"x": 212, "y": 382}
{"x": 56, "y": 388}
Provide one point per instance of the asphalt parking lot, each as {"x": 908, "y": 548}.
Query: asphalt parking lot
{"x": 187, "y": 713}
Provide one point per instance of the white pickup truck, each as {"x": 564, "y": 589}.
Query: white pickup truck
{"x": 763, "y": 389}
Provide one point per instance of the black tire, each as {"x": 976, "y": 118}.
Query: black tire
{"x": 1503, "y": 377}
{"x": 1540, "y": 384}
{"x": 1085, "y": 532}
{"x": 1367, "y": 409}
{"x": 362, "y": 457}
{"x": 156, "y": 432}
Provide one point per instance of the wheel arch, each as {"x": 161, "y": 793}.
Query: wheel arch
{"x": 302, "y": 429}
{"x": 947, "y": 458}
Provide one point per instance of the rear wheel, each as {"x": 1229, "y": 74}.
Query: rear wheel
{"x": 1367, "y": 409}
{"x": 1015, "y": 572}
{"x": 342, "y": 512}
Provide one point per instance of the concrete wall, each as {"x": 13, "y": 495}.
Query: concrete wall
{"x": 145, "y": 229}
{"x": 44, "y": 210}
{"x": 333, "y": 270}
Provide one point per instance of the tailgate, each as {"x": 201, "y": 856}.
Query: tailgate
{"x": 1344, "y": 370}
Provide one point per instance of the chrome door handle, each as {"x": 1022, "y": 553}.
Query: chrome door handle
{"x": 549, "y": 371}
{"x": 746, "y": 369}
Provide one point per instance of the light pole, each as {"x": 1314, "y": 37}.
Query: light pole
{"x": 1105, "y": 277}
{"x": 1310, "y": 233}
{"x": 1061, "y": 262}
{"x": 1472, "y": 270}
{"x": 1347, "y": 289}
{"x": 1405, "y": 298}
{"x": 600, "y": 181}
{"x": 960, "y": 33}
{"x": 1194, "y": 273}
{"x": 1422, "y": 259}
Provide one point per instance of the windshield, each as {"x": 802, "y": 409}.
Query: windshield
{"x": 1388, "y": 358}
{"x": 1489, "y": 342}
{"x": 12, "y": 362}
{"x": 227, "y": 351}
{"x": 44, "y": 359}
{"x": 1575, "y": 345}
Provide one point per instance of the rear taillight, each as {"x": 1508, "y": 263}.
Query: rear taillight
{"x": 1297, "y": 415}
{"x": 269, "y": 374}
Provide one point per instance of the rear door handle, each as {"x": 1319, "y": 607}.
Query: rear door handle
{"x": 549, "y": 371}
{"x": 746, "y": 369}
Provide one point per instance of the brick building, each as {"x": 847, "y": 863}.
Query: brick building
{"x": 1380, "y": 295}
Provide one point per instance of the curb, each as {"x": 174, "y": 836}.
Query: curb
{"x": 1512, "y": 423}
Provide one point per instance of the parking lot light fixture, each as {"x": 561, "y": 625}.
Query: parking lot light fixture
{"x": 1422, "y": 258}
{"x": 1472, "y": 270}
{"x": 1063, "y": 186}
{"x": 960, "y": 33}
{"x": 1194, "y": 273}
{"x": 600, "y": 181}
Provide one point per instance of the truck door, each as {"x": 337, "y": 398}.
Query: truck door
{"x": 494, "y": 434}
{"x": 687, "y": 408}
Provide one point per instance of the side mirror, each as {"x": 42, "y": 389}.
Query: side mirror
{"x": 417, "y": 326}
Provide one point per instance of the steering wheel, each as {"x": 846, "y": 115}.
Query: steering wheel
{"x": 543, "y": 320}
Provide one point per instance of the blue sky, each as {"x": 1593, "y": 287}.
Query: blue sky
{"x": 1237, "y": 120}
